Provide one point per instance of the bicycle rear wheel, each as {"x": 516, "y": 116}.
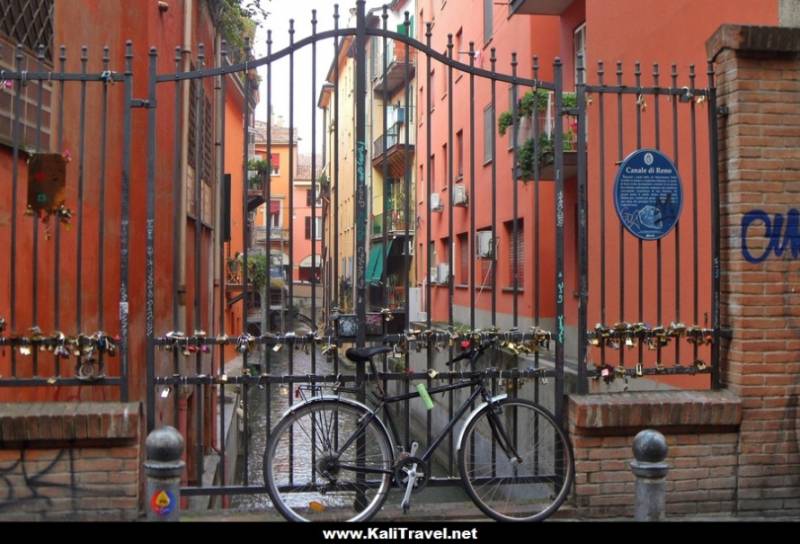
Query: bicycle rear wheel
{"x": 305, "y": 478}
{"x": 503, "y": 487}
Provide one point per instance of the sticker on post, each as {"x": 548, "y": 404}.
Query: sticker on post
{"x": 163, "y": 502}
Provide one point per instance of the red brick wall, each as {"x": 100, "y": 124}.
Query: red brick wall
{"x": 700, "y": 428}
{"x": 758, "y": 77}
{"x": 69, "y": 461}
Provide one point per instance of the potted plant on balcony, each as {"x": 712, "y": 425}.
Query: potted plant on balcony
{"x": 256, "y": 168}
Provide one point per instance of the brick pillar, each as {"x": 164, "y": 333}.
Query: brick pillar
{"x": 758, "y": 80}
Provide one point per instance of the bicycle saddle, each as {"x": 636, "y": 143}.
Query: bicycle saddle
{"x": 362, "y": 355}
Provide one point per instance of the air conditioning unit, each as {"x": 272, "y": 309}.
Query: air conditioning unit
{"x": 436, "y": 203}
{"x": 485, "y": 244}
{"x": 434, "y": 275}
{"x": 459, "y": 195}
{"x": 444, "y": 273}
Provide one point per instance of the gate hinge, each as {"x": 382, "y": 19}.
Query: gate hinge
{"x": 139, "y": 103}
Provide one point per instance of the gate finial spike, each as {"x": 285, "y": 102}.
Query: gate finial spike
{"x": 313, "y": 21}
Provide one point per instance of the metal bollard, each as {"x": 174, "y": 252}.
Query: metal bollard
{"x": 163, "y": 469}
{"x": 650, "y": 451}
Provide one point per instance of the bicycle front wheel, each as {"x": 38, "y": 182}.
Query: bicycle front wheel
{"x": 320, "y": 465}
{"x": 515, "y": 461}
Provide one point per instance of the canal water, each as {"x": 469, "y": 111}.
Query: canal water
{"x": 262, "y": 413}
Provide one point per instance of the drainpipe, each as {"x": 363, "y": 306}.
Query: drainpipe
{"x": 188, "y": 8}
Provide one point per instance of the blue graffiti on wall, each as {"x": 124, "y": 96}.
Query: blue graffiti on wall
{"x": 779, "y": 238}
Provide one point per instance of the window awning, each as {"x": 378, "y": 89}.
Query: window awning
{"x": 274, "y": 207}
{"x": 376, "y": 262}
{"x": 306, "y": 263}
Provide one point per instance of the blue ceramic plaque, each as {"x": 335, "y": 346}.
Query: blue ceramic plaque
{"x": 647, "y": 194}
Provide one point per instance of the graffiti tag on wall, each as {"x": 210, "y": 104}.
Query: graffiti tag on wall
{"x": 22, "y": 482}
{"x": 781, "y": 233}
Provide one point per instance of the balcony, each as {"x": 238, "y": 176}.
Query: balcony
{"x": 396, "y": 64}
{"x": 396, "y": 224}
{"x": 397, "y": 149}
{"x": 538, "y": 7}
{"x": 538, "y": 108}
{"x": 275, "y": 235}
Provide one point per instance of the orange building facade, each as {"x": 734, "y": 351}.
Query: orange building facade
{"x": 663, "y": 33}
{"x": 88, "y": 298}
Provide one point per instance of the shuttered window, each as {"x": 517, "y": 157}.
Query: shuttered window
{"x": 516, "y": 246}
{"x": 488, "y": 133}
{"x": 463, "y": 259}
{"x": 488, "y": 20}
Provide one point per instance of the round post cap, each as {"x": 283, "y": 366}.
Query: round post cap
{"x": 164, "y": 444}
{"x": 649, "y": 451}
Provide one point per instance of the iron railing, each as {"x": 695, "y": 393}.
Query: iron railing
{"x": 553, "y": 294}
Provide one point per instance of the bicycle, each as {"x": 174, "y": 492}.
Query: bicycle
{"x": 515, "y": 461}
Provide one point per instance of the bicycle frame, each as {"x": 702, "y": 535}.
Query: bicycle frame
{"x": 480, "y": 390}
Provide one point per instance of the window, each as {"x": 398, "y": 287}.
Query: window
{"x": 488, "y": 133}
{"x": 512, "y": 129}
{"x": 275, "y": 164}
{"x": 432, "y": 172}
{"x": 463, "y": 259}
{"x": 30, "y": 24}
{"x": 444, "y": 79}
{"x": 275, "y": 214}
{"x": 317, "y": 228}
{"x": 200, "y": 123}
{"x": 488, "y": 21}
{"x": 433, "y": 78}
{"x": 579, "y": 46}
{"x": 459, "y": 154}
{"x": 433, "y": 261}
{"x": 445, "y": 258}
{"x": 516, "y": 247}
{"x": 445, "y": 162}
{"x": 310, "y": 198}
{"x": 485, "y": 276}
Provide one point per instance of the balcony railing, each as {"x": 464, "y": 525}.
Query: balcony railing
{"x": 394, "y": 141}
{"x": 396, "y": 64}
{"x": 275, "y": 234}
{"x": 396, "y": 223}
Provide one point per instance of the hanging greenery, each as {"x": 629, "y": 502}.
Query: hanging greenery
{"x": 257, "y": 270}
{"x": 543, "y": 154}
{"x": 237, "y": 20}
{"x": 530, "y": 102}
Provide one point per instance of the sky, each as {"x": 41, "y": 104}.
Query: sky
{"x": 280, "y": 12}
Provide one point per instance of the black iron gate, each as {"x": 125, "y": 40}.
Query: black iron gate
{"x": 273, "y": 377}
{"x": 531, "y": 313}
